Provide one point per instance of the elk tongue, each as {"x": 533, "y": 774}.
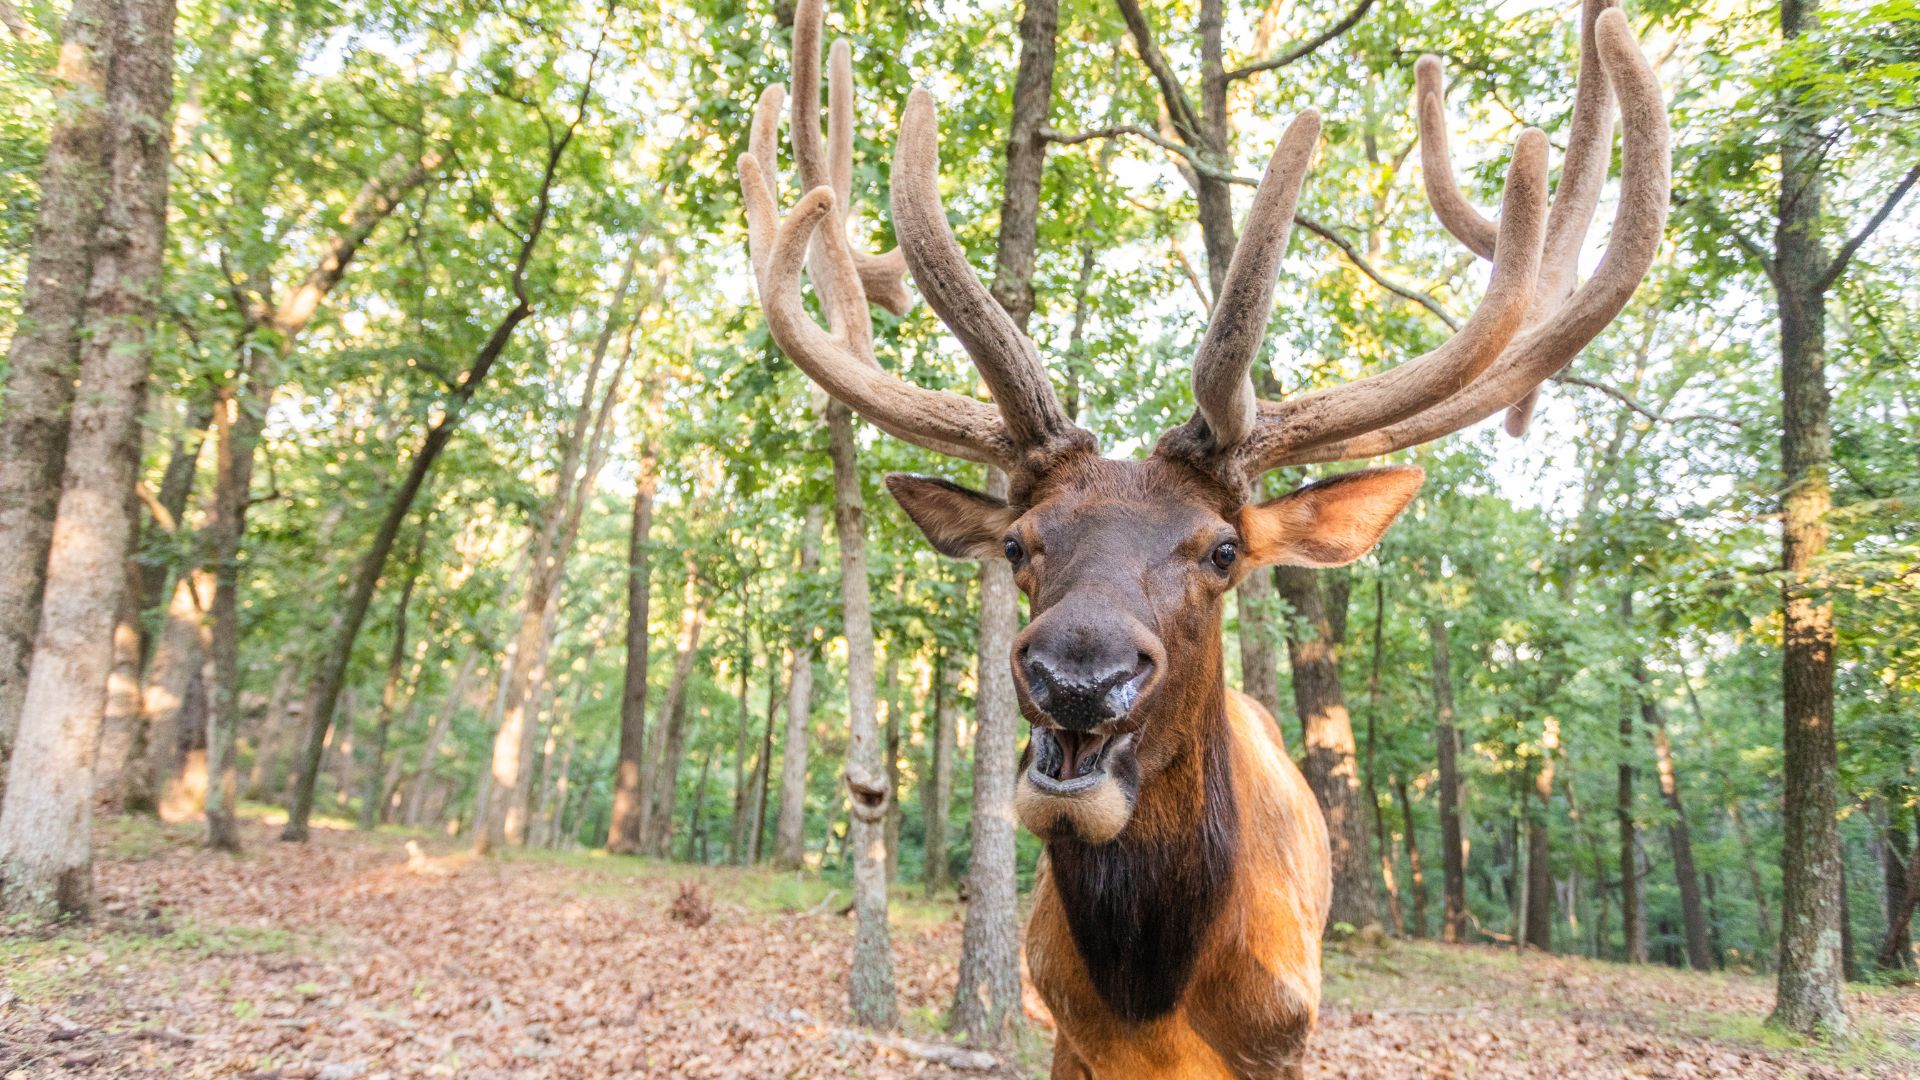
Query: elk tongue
{"x": 1081, "y": 749}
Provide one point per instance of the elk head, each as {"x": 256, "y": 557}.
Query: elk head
{"x": 1126, "y": 563}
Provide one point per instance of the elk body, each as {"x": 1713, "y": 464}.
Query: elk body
{"x": 1176, "y": 927}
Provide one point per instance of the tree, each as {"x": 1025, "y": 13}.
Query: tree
{"x": 623, "y": 832}
{"x": 41, "y": 358}
{"x": 986, "y": 1001}
{"x": 46, "y": 860}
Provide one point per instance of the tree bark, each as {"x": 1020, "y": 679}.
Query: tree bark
{"x": 1810, "y": 995}
{"x": 1332, "y": 769}
{"x": 1903, "y": 897}
{"x": 790, "y": 830}
{"x": 1370, "y": 767}
{"x": 1453, "y": 854}
{"x": 120, "y": 725}
{"x": 623, "y": 832}
{"x": 946, "y": 714}
{"x": 1633, "y": 937}
{"x": 1679, "y": 836}
{"x": 660, "y": 781}
{"x": 1418, "y": 927}
{"x": 890, "y": 689}
{"x": 42, "y": 358}
{"x": 374, "y": 793}
{"x": 737, "y": 827}
{"x": 986, "y": 1001}
{"x": 865, "y": 774}
{"x": 1539, "y": 914}
{"x": 763, "y": 767}
{"x": 46, "y": 858}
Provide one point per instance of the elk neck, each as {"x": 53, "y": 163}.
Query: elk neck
{"x": 1141, "y": 906}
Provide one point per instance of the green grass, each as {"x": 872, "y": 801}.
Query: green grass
{"x": 759, "y": 890}
{"x": 45, "y": 969}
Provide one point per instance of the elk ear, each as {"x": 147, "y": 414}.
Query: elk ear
{"x": 1329, "y": 523}
{"x": 960, "y": 523}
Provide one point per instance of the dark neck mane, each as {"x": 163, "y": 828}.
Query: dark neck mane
{"x": 1141, "y": 905}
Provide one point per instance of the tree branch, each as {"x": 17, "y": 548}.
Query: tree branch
{"x": 1306, "y": 48}
{"x": 1627, "y": 399}
{"x": 1185, "y": 119}
{"x": 1325, "y": 232}
{"x": 1839, "y": 264}
{"x": 1312, "y": 225}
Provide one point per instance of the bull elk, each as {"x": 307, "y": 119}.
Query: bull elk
{"x": 1176, "y": 929}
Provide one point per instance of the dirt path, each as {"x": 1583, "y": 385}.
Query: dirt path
{"x": 344, "y": 960}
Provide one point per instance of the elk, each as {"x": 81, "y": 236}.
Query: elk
{"x": 1177, "y": 923}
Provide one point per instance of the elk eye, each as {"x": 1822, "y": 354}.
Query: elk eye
{"x": 1015, "y": 553}
{"x": 1223, "y": 555}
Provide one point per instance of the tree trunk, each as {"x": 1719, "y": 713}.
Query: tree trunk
{"x": 790, "y": 830}
{"x": 1810, "y": 993}
{"x": 762, "y": 767}
{"x": 660, "y": 780}
{"x": 623, "y": 832}
{"x": 120, "y": 733}
{"x": 1632, "y": 919}
{"x": 1370, "y": 767}
{"x": 865, "y": 772}
{"x": 1331, "y": 766}
{"x": 1679, "y": 837}
{"x": 41, "y": 360}
{"x": 1418, "y": 927}
{"x": 986, "y": 1001}
{"x": 375, "y": 791}
{"x": 1453, "y": 854}
{"x": 1903, "y": 897}
{"x": 890, "y": 684}
{"x": 946, "y": 710}
{"x": 46, "y": 858}
{"x": 163, "y": 697}
{"x": 1539, "y": 916}
{"x": 697, "y": 820}
{"x": 737, "y": 827}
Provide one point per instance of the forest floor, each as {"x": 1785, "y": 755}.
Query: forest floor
{"x": 347, "y": 959}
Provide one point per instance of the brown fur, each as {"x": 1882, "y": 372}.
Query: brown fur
{"x": 1176, "y": 925}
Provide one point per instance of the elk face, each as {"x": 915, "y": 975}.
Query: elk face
{"x": 1125, "y": 565}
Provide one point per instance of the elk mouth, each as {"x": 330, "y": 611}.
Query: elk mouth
{"x": 1065, "y": 762}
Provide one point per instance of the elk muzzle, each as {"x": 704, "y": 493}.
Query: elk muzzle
{"x": 1082, "y": 670}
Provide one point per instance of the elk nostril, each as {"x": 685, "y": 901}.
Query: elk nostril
{"x": 1142, "y": 664}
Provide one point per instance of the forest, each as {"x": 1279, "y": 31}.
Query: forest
{"x": 403, "y": 494}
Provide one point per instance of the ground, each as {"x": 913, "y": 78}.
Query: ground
{"x": 349, "y": 958}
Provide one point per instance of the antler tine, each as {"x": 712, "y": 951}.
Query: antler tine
{"x": 1551, "y": 344}
{"x": 1222, "y": 384}
{"x": 841, "y": 363}
{"x": 1391, "y": 396}
{"x": 760, "y": 144}
{"x": 1467, "y": 224}
{"x": 1582, "y": 176}
{"x": 831, "y": 165}
{"x": 1006, "y": 358}
{"x": 882, "y": 276}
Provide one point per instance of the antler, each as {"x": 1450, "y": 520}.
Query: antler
{"x": 1531, "y": 322}
{"x": 841, "y": 359}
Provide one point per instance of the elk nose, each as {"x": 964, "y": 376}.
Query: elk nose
{"x": 1081, "y": 678}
